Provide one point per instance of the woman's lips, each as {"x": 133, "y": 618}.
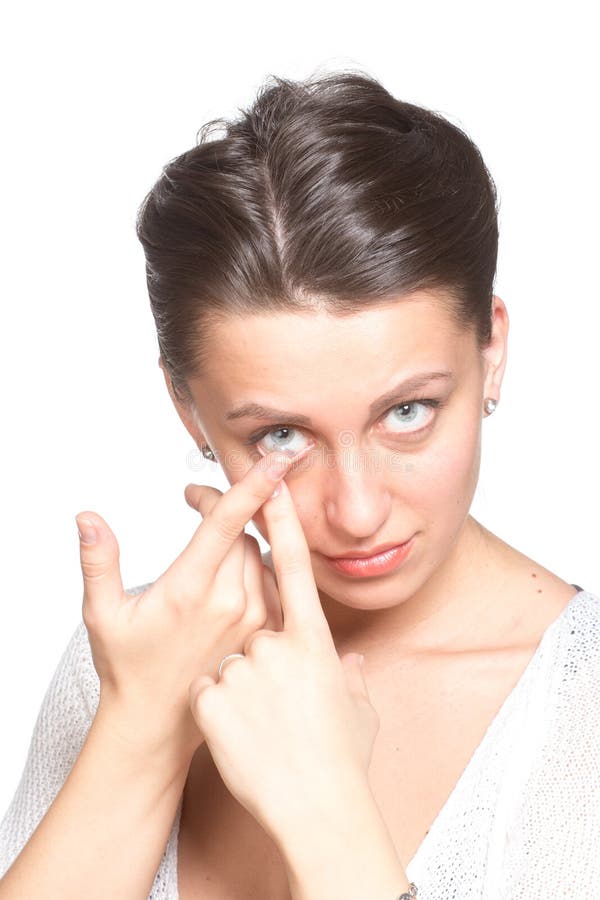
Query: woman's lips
{"x": 372, "y": 565}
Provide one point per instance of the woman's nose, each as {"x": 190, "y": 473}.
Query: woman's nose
{"x": 357, "y": 495}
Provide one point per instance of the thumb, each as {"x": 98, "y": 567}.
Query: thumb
{"x": 355, "y": 678}
{"x": 99, "y": 556}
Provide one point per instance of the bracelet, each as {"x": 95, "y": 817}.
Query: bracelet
{"x": 412, "y": 892}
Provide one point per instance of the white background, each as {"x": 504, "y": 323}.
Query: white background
{"x": 97, "y": 98}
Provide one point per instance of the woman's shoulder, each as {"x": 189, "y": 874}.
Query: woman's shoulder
{"x": 570, "y": 673}
{"x": 583, "y": 612}
{"x": 556, "y": 755}
{"x": 580, "y": 638}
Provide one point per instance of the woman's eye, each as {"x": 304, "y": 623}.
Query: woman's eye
{"x": 404, "y": 418}
{"x": 408, "y": 418}
{"x": 284, "y": 438}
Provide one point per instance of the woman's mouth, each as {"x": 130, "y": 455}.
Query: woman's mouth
{"x": 378, "y": 564}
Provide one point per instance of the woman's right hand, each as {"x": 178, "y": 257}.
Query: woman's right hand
{"x": 148, "y": 648}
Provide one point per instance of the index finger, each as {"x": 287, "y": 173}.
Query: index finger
{"x": 226, "y": 520}
{"x": 300, "y": 601}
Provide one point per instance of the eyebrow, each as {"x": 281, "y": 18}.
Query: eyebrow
{"x": 269, "y": 414}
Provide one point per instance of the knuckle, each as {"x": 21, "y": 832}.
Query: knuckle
{"x": 174, "y": 591}
{"x": 293, "y": 564}
{"x": 95, "y": 570}
{"x": 230, "y": 604}
{"x": 260, "y": 645}
{"x": 177, "y": 590}
{"x": 255, "y": 616}
{"x": 312, "y": 650}
{"x": 90, "y": 617}
{"x": 232, "y": 670}
{"x": 224, "y": 527}
{"x": 205, "y": 703}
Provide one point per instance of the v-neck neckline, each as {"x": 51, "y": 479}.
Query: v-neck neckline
{"x": 497, "y": 721}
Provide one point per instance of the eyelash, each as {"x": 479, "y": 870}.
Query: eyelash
{"x": 424, "y": 401}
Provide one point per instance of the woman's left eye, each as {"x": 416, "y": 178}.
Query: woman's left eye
{"x": 404, "y": 413}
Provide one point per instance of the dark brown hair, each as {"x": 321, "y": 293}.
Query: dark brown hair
{"x": 325, "y": 193}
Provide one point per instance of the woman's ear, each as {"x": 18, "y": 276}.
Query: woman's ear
{"x": 495, "y": 353}
{"x": 184, "y": 410}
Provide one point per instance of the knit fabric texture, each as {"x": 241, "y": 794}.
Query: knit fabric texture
{"x": 522, "y": 822}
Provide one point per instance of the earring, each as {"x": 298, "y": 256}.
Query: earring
{"x": 490, "y": 405}
{"x": 207, "y": 452}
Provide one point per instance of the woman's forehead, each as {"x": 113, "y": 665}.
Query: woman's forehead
{"x": 277, "y": 360}
{"x": 405, "y": 328}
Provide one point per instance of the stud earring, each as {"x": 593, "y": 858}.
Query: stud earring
{"x": 207, "y": 452}
{"x": 490, "y": 405}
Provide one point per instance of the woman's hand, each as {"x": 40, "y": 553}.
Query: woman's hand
{"x": 147, "y": 649}
{"x": 290, "y": 727}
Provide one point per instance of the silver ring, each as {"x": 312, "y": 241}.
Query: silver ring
{"x": 230, "y": 656}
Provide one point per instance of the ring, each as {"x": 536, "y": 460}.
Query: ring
{"x": 225, "y": 658}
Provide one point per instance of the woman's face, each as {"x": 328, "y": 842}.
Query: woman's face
{"x": 380, "y": 472}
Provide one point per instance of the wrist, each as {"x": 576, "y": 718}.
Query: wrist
{"x": 342, "y": 846}
{"x": 146, "y": 740}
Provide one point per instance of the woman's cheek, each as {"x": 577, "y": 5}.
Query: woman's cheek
{"x": 236, "y": 462}
{"x": 452, "y": 471}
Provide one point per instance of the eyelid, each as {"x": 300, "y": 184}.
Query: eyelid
{"x": 295, "y": 456}
{"x": 417, "y": 433}
{"x": 263, "y": 432}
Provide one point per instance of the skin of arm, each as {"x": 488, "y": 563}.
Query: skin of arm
{"x": 343, "y": 849}
{"x": 105, "y": 832}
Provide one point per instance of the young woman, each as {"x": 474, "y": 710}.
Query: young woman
{"x": 321, "y": 278}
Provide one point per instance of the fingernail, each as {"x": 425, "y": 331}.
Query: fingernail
{"x": 280, "y": 464}
{"x": 278, "y": 467}
{"x": 281, "y": 488}
{"x": 87, "y": 532}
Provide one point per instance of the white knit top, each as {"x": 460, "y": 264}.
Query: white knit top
{"x": 522, "y": 822}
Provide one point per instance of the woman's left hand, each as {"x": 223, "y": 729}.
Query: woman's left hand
{"x": 290, "y": 726}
